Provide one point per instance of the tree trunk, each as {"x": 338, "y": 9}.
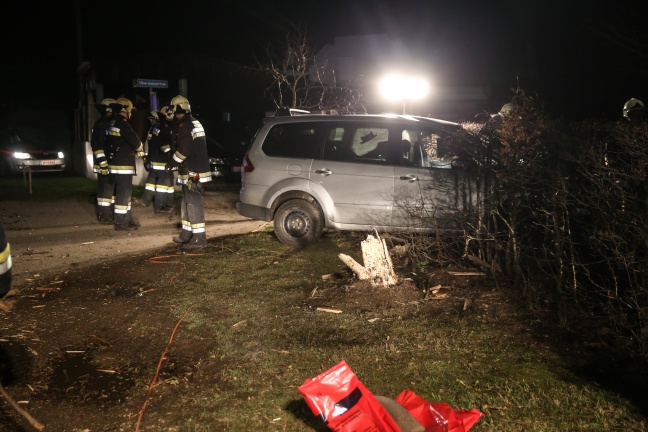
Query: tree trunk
{"x": 378, "y": 268}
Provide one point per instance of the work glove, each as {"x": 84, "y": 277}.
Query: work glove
{"x": 141, "y": 154}
{"x": 195, "y": 186}
{"x": 103, "y": 168}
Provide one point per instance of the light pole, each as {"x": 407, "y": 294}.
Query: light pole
{"x": 403, "y": 88}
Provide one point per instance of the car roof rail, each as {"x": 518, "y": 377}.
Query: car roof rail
{"x": 285, "y": 111}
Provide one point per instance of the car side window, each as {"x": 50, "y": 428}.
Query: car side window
{"x": 370, "y": 144}
{"x": 428, "y": 150}
{"x": 295, "y": 140}
{"x": 356, "y": 142}
{"x": 337, "y": 146}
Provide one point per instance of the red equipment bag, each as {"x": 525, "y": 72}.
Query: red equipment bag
{"x": 344, "y": 403}
{"x": 438, "y": 416}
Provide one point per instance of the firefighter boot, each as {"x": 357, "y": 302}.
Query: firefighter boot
{"x": 183, "y": 238}
{"x": 197, "y": 242}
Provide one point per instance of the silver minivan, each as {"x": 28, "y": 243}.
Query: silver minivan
{"x": 353, "y": 172}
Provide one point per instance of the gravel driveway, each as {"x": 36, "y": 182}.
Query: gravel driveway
{"x": 55, "y": 236}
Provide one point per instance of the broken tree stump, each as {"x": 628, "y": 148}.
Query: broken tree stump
{"x": 378, "y": 267}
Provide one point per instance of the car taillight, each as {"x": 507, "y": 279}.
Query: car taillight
{"x": 247, "y": 164}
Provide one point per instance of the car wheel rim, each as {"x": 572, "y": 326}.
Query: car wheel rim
{"x": 297, "y": 224}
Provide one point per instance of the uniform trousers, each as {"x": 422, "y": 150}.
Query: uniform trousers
{"x": 192, "y": 214}
{"x": 123, "y": 192}
{"x": 159, "y": 188}
{"x": 105, "y": 196}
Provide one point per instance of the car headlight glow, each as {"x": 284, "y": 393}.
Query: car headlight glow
{"x": 21, "y": 155}
{"x": 216, "y": 161}
{"x": 61, "y": 155}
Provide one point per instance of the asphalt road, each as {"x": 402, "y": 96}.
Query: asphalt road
{"x": 57, "y": 236}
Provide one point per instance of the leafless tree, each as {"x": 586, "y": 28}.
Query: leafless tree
{"x": 297, "y": 80}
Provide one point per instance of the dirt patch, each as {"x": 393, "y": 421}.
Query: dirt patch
{"x": 64, "y": 235}
{"x": 78, "y": 342}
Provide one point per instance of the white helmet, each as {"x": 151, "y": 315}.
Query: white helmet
{"x": 506, "y": 109}
{"x": 127, "y": 105}
{"x": 633, "y": 104}
{"x": 180, "y": 104}
{"x": 104, "y": 105}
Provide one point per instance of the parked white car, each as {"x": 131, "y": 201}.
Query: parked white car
{"x": 352, "y": 172}
{"x": 20, "y": 154}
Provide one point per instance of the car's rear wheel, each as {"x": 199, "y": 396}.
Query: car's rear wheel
{"x": 298, "y": 223}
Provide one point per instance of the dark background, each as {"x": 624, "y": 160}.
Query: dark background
{"x": 583, "y": 58}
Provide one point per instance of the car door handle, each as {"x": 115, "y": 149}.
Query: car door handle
{"x": 325, "y": 171}
{"x": 410, "y": 178}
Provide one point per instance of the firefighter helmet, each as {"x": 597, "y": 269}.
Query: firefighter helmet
{"x": 167, "y": 112}
{"x": 180, "y": 105}
{"x": 127, "y": 105}
{"x": 506, "y": 109}
{"x": 154, "y": 116}
{"x": 632, "y": 105}
{"x": 104, "y": 105}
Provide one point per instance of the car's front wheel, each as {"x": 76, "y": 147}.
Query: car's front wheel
{"x": 298, "y": 223}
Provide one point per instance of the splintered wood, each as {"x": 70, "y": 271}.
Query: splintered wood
{"x": 378, "y": 267}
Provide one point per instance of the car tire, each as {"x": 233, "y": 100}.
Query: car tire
{"x": 298, "y": 223}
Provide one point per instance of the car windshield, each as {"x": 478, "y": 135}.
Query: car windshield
{"x": 14, "y": 141}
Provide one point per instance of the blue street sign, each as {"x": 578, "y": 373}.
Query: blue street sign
{"x": 151, "y": 83}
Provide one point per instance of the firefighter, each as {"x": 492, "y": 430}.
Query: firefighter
{"x": 633, "y": 110}
{"x": 190, "y": 156}
{"x": 5, "y": 264}
{"x": 122, "y": 145}
{"x": 149, "y": 189}
{"x": 105, "y": 188}
{"x": 159, "y": 183}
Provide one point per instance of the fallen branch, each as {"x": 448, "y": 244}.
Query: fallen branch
{"x": 238, "y": 323}
{"x": 355, "y": 267}
{"x": 483, "y": 264}
{"x": 157, "y": 371}
{"x": 21, "y": 411}
{"x": 329, "y": 310}
{"x": 162, "y": 259}
{"x": 7, "y": 302}
{"x": 466, "y": 273}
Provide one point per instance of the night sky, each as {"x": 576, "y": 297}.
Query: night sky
{"x": 583, "y": 58}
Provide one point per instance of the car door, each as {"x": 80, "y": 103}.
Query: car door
{"x": 354, "y": 176}
{"x": 431, "y": 189}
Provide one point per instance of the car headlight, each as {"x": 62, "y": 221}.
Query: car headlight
{"x": 61, "y": 155}
{"x": 21, "y": 155}
{"x": 216, "y": 161}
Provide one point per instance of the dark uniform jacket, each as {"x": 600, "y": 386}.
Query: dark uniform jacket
{"x": 159, "y": 145}
{"x": 98, "y": 143}
{"x": 121, "y": 144}
{"x": 190, "y": 146}
{"x": 5, "y": 264}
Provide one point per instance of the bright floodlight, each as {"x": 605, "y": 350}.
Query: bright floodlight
{"x": 397, "y": 87}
